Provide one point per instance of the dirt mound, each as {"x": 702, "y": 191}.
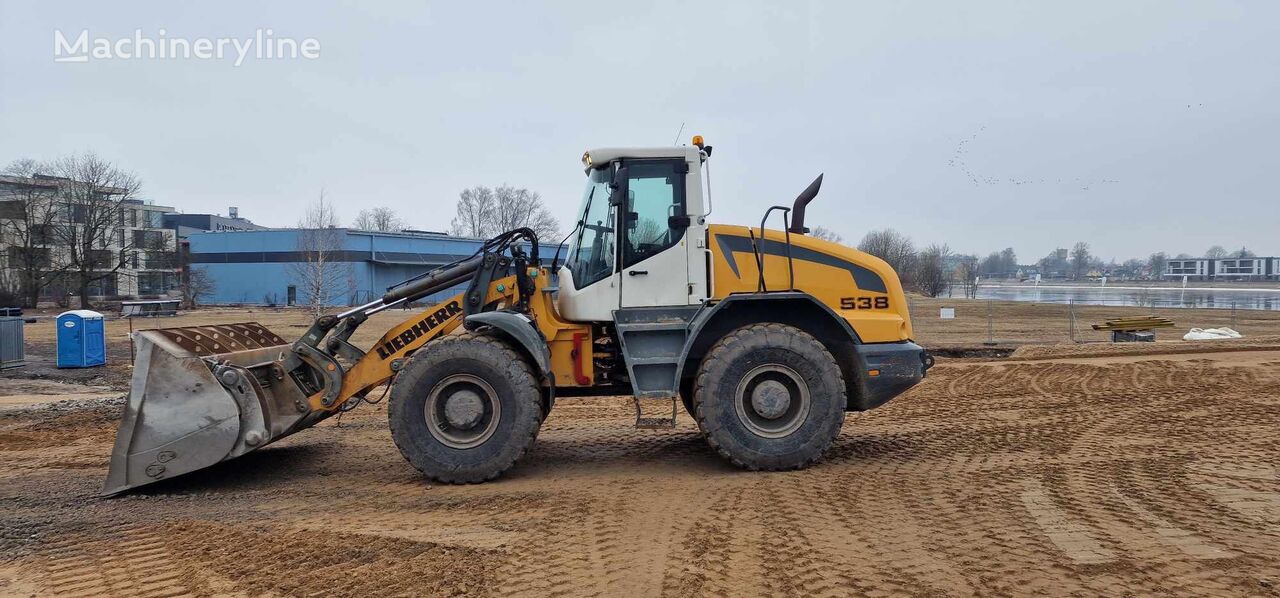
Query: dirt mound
{"x": 1058, "y": 351}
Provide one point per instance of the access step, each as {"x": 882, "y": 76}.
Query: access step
{"x": 648, "y": 422}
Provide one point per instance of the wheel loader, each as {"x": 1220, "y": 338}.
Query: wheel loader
{"x": 766, "y": 335}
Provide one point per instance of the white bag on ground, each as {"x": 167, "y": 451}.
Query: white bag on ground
{"x": 1210, "y": 334}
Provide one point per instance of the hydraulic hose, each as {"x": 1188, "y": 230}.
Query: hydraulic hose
{"x": 436, "y": 281}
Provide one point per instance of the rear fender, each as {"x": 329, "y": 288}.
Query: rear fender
{"x": 794, "y": 308}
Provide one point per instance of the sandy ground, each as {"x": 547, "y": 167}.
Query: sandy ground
{"x": 16, "y": 393}
{"x": 1061, "y": 473}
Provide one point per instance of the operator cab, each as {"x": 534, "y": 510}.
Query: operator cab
{"x": 640, "y": 238}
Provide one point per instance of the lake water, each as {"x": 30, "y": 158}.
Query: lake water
{"x": 1251, "y": 298}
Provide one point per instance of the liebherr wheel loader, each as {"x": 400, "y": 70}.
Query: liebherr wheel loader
{"x": 767, "y": 335}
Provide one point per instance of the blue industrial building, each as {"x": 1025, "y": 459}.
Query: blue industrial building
{"x": 259, "y": 267}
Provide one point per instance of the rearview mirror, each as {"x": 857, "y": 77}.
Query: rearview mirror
{"x": 619, "y": 186}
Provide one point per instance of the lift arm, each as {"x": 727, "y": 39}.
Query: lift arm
{"x": 388, "y": 355}
{"x": 332, "y": 370}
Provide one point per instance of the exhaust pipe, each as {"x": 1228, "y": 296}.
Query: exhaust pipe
{"x": 802, "y": 200}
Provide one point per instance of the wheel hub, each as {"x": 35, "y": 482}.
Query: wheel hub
{"x": 462, "y": 411}
{"x": 772, "y": 401}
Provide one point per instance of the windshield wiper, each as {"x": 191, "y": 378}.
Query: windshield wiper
{"x": 577, "y": 228}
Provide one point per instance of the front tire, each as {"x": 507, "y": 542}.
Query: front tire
{"x": 769, "y": 396}
{"x": 465, "y": 409}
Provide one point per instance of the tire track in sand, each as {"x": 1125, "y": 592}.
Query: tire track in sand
{"x": 135, "y": 563}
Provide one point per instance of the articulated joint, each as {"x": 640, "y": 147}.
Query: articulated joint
{"x": 328, "y": 367}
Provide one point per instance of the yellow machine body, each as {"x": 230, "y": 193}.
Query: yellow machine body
{"x": 859, "y": 287}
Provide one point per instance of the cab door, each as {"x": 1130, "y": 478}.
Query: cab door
{"x": 653, "y": 221}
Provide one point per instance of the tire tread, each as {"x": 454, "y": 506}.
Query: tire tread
{"x": 716, "y": 359}
{"x": 517, "y": 369}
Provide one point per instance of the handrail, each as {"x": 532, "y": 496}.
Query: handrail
{"x": 786, "y": 231}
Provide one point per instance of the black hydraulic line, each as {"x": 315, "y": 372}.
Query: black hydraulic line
{"x": 437, "y": 280}
{"x": 497, "y": 244}
{"x": 307, "y": 351}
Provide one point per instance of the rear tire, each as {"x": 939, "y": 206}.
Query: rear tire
{"x": 769, "y": 396}
{"x": 465, "y": 409}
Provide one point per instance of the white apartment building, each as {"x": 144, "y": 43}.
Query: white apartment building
{"x": 1231, "y": 268}
{"x": 137, "y": 258}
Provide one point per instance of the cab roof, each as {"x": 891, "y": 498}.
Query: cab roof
{"x": 604, "y": 155}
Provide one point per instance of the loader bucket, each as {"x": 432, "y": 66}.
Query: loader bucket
{"x": 201, "y": 395}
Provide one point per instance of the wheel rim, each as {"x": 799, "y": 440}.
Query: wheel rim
{"x": 772, "y": 401}
{"x": 462, "y": 411}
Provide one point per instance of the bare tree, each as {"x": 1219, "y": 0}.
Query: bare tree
{"x": 92, "y": 194}
{"x": 1216, "y": 252}
{"x": 1056, "y": 263}
{"x": 27, "y": 215}
{"x": 474, "y": 212}
{"x": 1002, "y": 263}
{"x": 1243, "y": 252}
{"x": 516, "y": 208}
{"x": 383, "y": 220}
{"x": 967, "y": 272}
{"x": 10, "y": 289}
{"x": 826, "y": 234}
{"x": 647, "y": 231}
{"x": 1131, "y": 269}
{"x": 894, "y": 248}
{"x": 1158, "y": 262}
{"x": 156, "y": 252}
{"x": 485, "y": 212}
{"x": 1009, "y": 259}
{"x": 991, "y": 265}
{"x": 1080, "y": 259}
{"x": 321, "y": 274}
{"x": 930, "y": 274}
{"x": 197, "y": 285}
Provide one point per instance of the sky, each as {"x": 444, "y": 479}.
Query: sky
{"x": 1135, "y": 126}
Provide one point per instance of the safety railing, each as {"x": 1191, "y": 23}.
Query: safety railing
{"x": 758, "y": 249}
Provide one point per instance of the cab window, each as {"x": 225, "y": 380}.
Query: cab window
{"x": 655, "y": 193}
{"x": 591, "y": 258}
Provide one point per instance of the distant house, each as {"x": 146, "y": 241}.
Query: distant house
{"x": 1232, "y": 268}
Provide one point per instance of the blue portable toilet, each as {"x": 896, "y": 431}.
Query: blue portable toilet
{"x": 82, "y": 339}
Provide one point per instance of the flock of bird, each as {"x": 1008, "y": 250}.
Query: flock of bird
{"x": 978, "y": 179}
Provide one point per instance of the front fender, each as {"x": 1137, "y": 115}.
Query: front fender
{"x": 520, "y": 330}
